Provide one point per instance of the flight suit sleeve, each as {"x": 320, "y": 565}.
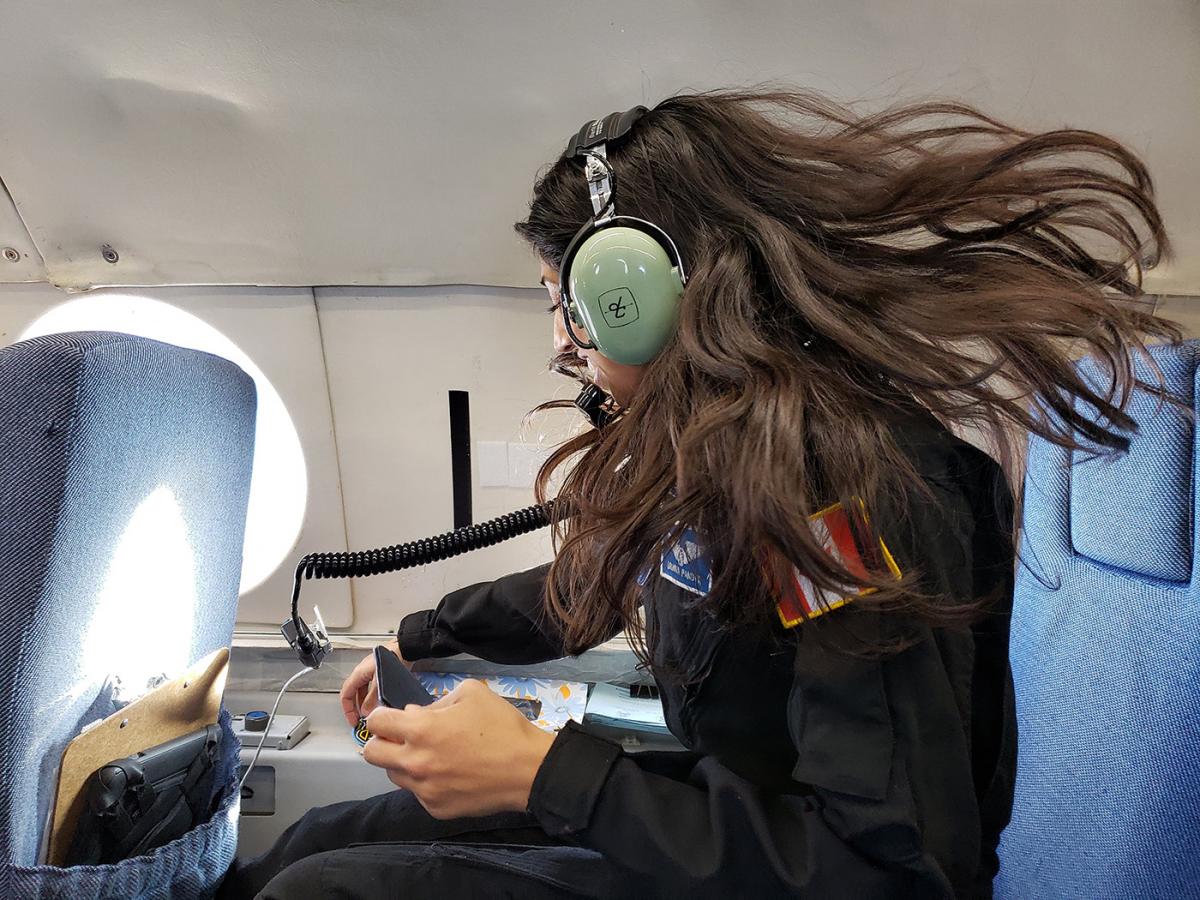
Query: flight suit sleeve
{"x": 503, "y": 621}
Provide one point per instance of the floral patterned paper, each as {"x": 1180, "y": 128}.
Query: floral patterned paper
{"x": 561, "y": 700}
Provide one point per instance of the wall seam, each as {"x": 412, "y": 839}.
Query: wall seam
{"x": 337, "y": 450}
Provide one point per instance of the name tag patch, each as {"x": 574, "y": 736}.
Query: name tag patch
{"x": 684, "y": 564}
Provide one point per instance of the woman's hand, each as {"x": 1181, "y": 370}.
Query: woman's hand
{"x": 469, "y": 754}
{"x": 359, "y": 694}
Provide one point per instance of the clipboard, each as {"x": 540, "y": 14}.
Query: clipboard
{"x": 173, "y": 709}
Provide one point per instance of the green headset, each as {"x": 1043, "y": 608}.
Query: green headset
{"x": 621, "y": 277}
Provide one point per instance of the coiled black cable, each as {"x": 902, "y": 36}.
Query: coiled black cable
{"x": 422, "y": 552}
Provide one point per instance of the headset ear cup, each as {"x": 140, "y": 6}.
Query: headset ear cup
{"x": 626, "y": 289}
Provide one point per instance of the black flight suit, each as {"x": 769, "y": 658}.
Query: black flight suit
{"x": 810, "y": 771}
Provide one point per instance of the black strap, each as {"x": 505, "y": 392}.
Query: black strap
{"x": 611, "y": 128}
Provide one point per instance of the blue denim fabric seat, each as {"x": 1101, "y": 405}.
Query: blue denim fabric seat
{"x": 124, "y": 478}
{"x": 1106, "y": 662}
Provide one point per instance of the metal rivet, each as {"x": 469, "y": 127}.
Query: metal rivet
{"x": 124, "y": 722}
{"x": 110, "y": 255}
{"x": 11, "y": 254}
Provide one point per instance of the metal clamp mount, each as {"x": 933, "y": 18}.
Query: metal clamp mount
{"x": 599, "y": 178}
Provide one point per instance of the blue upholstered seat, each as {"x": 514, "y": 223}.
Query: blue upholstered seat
{"x": 124, "y": 478}
{"x": 1106, "y": 662}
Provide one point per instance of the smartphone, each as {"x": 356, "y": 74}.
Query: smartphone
{"x": 397, "y": 686}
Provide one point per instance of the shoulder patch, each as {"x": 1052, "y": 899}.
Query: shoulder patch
{"x": 801, "y": 599}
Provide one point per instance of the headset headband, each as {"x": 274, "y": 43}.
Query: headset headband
{"x": 612, "y": 127}
{"x": 591, "y": 142}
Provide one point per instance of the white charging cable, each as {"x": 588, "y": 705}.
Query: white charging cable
{"x": 270, "y": 719}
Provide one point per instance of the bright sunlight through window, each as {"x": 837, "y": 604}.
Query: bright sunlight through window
{"x": 153, "y": 559}
{"x": 279, "y": 485}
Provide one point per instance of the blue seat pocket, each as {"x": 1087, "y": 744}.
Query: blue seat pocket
{"x": 185, "y": 869}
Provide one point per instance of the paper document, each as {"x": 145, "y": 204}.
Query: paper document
{"x": 611, "y": 704}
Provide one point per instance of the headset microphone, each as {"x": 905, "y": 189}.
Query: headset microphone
{"x": 594, "y": 403}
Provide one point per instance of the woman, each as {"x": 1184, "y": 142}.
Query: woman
{"x": 774, "y": 506}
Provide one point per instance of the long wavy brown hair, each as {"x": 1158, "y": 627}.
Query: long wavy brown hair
{"x": 841, "y": 266}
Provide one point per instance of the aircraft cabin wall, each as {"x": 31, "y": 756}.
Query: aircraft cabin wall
{"x": 353, "y": 434}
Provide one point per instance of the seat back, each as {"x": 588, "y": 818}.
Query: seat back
{"x": 1105, "y": 654}
{"x": 124, "y": 478}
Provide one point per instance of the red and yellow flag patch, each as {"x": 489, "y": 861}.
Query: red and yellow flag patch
{"x": 801, "y": 599}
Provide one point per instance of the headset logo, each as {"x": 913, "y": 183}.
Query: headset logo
{"x": 618, "y": 307}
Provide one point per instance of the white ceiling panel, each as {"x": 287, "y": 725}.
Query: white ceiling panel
{"x": 313, "y": 142}
{"x": 20, "y": 260}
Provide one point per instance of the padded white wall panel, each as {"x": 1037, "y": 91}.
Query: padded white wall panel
{"x": 278, "y": 331}
{"x": 1184, "y": 311}
{"x": 393, "y": 355}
